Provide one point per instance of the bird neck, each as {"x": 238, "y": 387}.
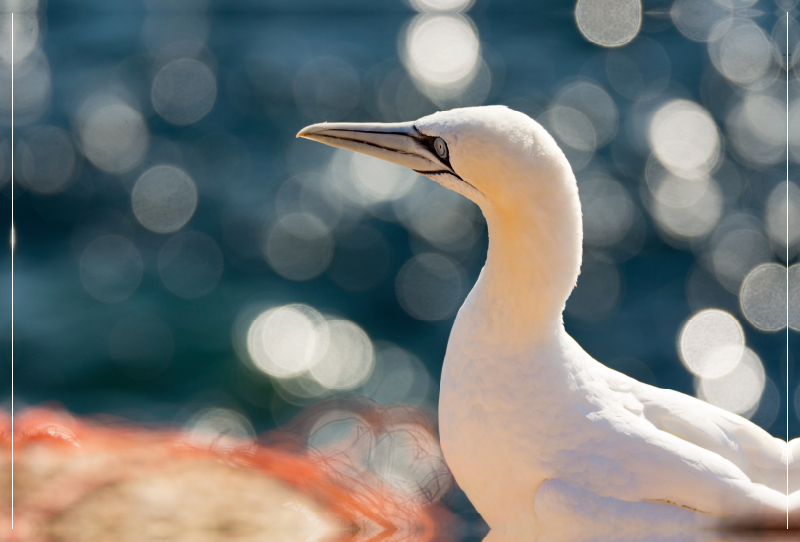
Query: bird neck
{"x": 532, "y": 263}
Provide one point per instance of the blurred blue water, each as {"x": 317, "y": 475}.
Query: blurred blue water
{"x": 532, "y": 48}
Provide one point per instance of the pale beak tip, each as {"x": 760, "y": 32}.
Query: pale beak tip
{"x": 308, "y": 130}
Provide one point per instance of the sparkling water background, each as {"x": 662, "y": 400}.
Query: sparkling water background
{"x": 181, "y": 257}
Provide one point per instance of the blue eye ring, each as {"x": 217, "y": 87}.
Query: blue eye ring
{"x": 440, "y": 147}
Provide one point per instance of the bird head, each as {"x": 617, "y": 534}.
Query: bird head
{"x": 509, "y": 165}
{"x": 490, "y": 154}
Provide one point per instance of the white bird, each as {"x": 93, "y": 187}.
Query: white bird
{"x": 536, "y": 431}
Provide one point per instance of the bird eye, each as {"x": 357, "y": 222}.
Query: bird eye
{"x": 441, "y": 147}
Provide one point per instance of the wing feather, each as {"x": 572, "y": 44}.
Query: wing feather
{"x": 762, "y": 457}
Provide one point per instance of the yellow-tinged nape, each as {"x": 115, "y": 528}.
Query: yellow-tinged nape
{"x": 529, "y": 198}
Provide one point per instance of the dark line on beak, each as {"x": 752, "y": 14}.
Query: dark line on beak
{"x": 421, "y": 138}
{"x": 375, "y": 132}
{"x": 364, "y": 142}
{"x": 452, "y": 174}
{"x": 441, "y": 172}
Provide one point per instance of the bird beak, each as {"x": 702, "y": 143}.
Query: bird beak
{"x": 399, "y": 143}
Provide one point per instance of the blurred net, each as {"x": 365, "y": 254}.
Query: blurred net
{"x": 345, "y": 471}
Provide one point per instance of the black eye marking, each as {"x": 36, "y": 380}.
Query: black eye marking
{"x": 437, "y": 146}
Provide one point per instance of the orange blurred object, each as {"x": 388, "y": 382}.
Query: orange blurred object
{"x": 79, "y": 479}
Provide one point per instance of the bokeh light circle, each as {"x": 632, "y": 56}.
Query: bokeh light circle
{"x": 164, "y": 199}
{"x": 379, "y": 181}
{"x": 184, "y": 91}
{"x": 172, "y": 33}
{"x": 739, "y": 390}
{"x": 572, "y": 127}
{"x": 757, "y": 128}
{"x": 609, "y": 23}
{"x": 700, "y": 20}
{"x": 220, "y": 429}
{"x": 26, "y": 32}
{"x": 48, "y": 159}
{"x": 408, "y": 458}
{"x": 685, "y": 139}
{"x": 608, "y": 210}
{"x": 33, "y": 88}
{"x": 114, "y": 137}
{"x": 763, "y": 297}
{"x": 711, "y": 343}
{"x": 596, "y": 105}
{"x": 674, "y": 190}
{"x": 777, "y": 214}
{"x": 299, "y": 247}
{"x": 348, "y": 358}
{"x": 689, "y": 217}
{"x": 745, "y": 53}
{"x": 442, "y": 217}
{"x": 441, "y": 5}
{"x": 441, "y": 50}
{"x": 399, "y": 377}
{"x": 794, "y": 297}
{"x": 285, "y": 341}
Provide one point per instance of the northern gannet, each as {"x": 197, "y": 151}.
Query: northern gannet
{"x": 536, "y": 431}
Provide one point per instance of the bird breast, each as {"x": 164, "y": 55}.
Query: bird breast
{"x": 506, "y": 423}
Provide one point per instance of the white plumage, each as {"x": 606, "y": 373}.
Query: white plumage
{"x": 536, "y": 432}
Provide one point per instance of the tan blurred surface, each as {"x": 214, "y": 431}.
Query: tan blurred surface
{"x": 78, "y": 480}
